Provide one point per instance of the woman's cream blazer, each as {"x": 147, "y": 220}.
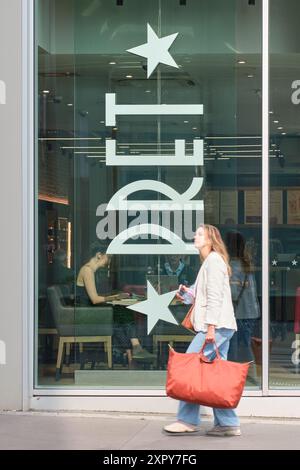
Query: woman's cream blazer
{"x": 213, "y": 304}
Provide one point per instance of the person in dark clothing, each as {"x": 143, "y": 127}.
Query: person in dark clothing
{"x": 244, "y": 297}
{"x": 175, "y": 265}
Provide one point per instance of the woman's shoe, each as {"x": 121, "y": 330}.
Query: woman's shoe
{"x": 180, "y": 429}
{"x": 224, "y": 431}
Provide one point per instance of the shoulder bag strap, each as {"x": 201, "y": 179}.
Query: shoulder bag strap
{"x": 236, "y": 302}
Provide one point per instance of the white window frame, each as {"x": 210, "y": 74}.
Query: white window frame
{"x": 55, "y": 398}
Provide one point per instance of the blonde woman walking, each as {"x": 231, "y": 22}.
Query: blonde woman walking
{"x": 214, "y": 322}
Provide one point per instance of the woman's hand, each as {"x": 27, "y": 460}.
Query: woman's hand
{"x": 181, "y": 290}
{"x": 111, "y": 298}
{"x": 123, "y": 295}
{"x": 210, "y": 335}
{"x": 120, "y": 296}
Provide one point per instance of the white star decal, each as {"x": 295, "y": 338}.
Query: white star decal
{"x": 274, "y": 262}
{"x": 155, "y": 50}
{"x": 155, "y": 307}
{"x": 294, "y": 262}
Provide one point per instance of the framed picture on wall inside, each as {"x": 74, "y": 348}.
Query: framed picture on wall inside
{"x": 293, "y": 206}
{"x": 211, "y": 207}
{"x": 276, "y": 207}
{"x": 252, "y": 204}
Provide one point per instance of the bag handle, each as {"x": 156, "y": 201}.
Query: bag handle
{"x": 203, "y": 357}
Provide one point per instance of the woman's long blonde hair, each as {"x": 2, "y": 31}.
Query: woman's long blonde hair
{"x": 217, "y": 243}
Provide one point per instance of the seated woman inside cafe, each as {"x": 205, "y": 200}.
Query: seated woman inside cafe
{"x": 124, "y": 335}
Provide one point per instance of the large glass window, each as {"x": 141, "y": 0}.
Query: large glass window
{"x": 284, "y": 195}
{"x": 100, "y": 143}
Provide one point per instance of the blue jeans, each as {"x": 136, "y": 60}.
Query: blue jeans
{"x": 189, "y": 412}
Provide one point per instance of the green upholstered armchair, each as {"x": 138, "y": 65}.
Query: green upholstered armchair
{"x": 76, "y": 324}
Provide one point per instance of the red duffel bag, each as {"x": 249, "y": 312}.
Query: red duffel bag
{"x": 192, "y": 377}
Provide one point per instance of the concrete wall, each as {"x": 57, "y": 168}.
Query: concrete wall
{"x": 10, "y": 206}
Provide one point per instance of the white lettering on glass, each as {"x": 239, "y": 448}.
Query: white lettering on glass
{"x": 119, "y": 200}
{"x": 296, "y": 94}
{"x": 175, "y": 244}
{"x": 113, "y": 109}
{"x": 156, "y": 50}
{"x": 296, "y": 354}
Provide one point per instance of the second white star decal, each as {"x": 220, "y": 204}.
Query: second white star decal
{"x": 155, "y": 307}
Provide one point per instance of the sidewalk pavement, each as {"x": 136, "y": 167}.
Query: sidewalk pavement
{"x": 111, "y": 431}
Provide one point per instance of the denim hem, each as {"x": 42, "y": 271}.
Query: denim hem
{"x": 185, "y": 421}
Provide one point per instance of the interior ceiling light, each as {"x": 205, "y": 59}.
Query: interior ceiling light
{"x": 241, "y": 62}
